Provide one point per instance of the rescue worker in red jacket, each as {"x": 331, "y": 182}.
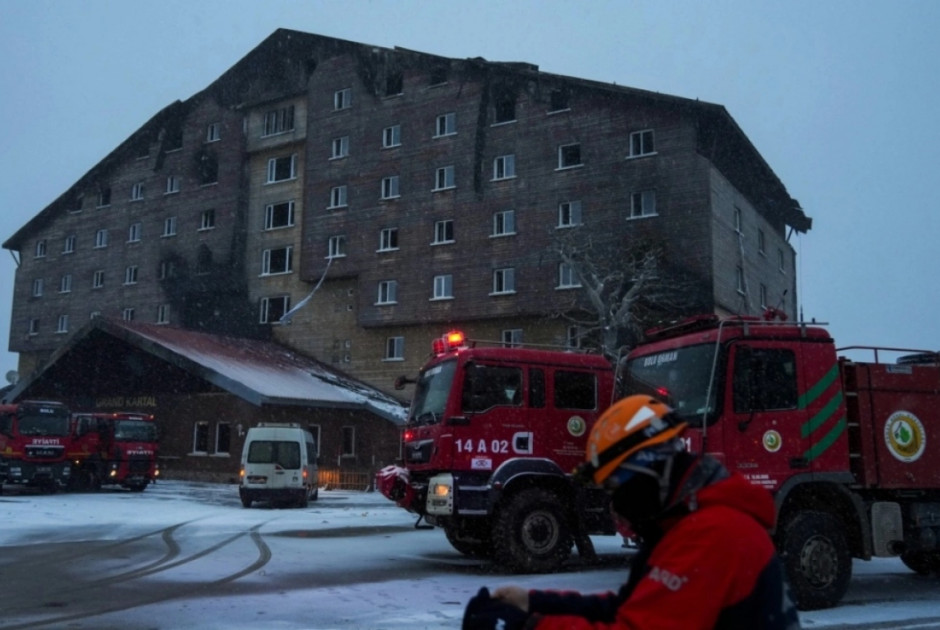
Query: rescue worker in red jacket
{"x": 706, "y": 559}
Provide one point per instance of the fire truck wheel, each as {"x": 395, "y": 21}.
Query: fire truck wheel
{"x": 817, "y": 559}
{"x": 922, "y": 562}
{"x": 531, "y": 532}
{"x": 475, "y": 548}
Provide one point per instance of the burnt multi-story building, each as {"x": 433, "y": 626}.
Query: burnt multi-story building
{"x": 409, "y": 194}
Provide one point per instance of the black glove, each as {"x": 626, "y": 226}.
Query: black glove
{"x": 485, "y": 613}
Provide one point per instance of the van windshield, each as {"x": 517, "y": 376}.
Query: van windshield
{"x": 285, "y": 454}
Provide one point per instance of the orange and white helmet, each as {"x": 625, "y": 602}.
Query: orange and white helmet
{"x": 628, "y": 429}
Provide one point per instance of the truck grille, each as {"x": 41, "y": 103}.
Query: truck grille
{"x": 45, "y": 452}
{"x": 138, "y": 465}
{"x": 418, "y": 452}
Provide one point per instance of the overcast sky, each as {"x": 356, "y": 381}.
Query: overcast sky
{"x": 842, "y": 99}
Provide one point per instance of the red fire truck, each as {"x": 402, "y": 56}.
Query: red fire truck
{"x": 34, "y": 444}
{"x": 492, "y": 436}
{"x": 114, "y": 448}
{"x": 850, "y": 449}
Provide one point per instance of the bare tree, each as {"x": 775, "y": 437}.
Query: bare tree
{"x": 624, "y": 289}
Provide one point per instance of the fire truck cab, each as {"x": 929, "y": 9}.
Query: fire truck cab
{"x": 34, "y": 444}
{"x": 114, "y": 448}
{"x": 492, "y": 436}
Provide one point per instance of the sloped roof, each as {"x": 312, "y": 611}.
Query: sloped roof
{"x": 260, "y": 372}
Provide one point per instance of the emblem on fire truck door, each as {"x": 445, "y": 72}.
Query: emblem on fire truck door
{"x": 905, "y": 436}
{"x": 772, "y": 441}
{"x": 576, "y": 426}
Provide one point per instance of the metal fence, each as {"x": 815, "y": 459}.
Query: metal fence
{"x": 338, "y": 479}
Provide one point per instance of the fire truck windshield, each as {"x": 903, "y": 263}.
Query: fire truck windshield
{"x": 34, "y": 424}
{"x": 680, "y": 376}
{"x": 431, "y": 392}
{"x": 135, "y": 431}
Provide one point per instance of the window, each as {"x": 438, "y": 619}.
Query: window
{"x": 569, "y": 214}
{"x": 492, "y": 386}
{"x": 172, "y": 185}
{"x": 127, "y": 314}
{"x": 207, "y": 168}
{"x": 504, "y": 167}
{"x": 77, "y": 204}
{"x": 207, "y": 219}
{"x": 763, "y": 295}
{"x": 137, "y": 192}
{"x": 97, "y": 279}
{"x": 504, "y": 280}
{"x": 101, "y": 239}
{"x": 33, "y": 326}
{"x": 643, "y": 204}
{"x": 273, "y": 308}
{"x": 340, "y": 148}
{"x": 575, "y": 390}
{"x": 338, "y": 197}
{"x": 774, "y": 368}
{"x": 446, "y": 125}
{"x": 133, "y": 233}
{"x": 163, "y": 314}
{"x": 69, "y": 246}
{"x": 641, "y": 143}
{"x": 274, "y": 261}
{"x": 37, "y": 287}
{"x": 349, "y": 441}
{"x": 130, "y": 274}
{"x": 201, "y": 437}
{"x": 443, "y": 232}
{"x": 505, "y": 108}
{"x": 558, "y": 100}
{"x": 213, "y": 132}
{"x": 781, "y": 260}
{"x": 391, "y": 136}
{"x": 394, "y": 83}
{"x": 65, "y": 283}
{"x": 279, "y": 215}
{"x": 388, "y": 292}
{"x": 569, "y": 156}
{"x": 511, "y": 338}
{"x": 388, "y": 239}
{"x": 444, "y": 178}
{"x": 169, "y": 226}
{"x": 62, "y": 326}
{"x": 278, "y": 121}
{"x": 504, "y": 223}
{"x": 567, "y": 278}
{"x": 739, "y": 283}
{"x": 443, "y": 287}
{"x": 394, "y": 349}
{"x": 223, "y": 438}
{"x": 336, "y": 248}
{"x": 342, "y": 99}
{"x": 167, "y": 270}
{"x": 282, "y": 169}
{"x": 737, "y": 220}
{"x": 104, "y": 197}
{"x": 761, "y": 244}
{"x": 390, "y": 187}
{"x": 41, "y": 248}
{"x": 438, "y": 75}
{"x": 573, "y": 337}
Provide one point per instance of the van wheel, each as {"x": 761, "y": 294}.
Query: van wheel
{"x": 246, "y": 500}
{"x": 315, "y": 494}
{"x": 302, "y": 499}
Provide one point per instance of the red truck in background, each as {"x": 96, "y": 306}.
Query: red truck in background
{"x": 114, "y": 448}
{"x": 492, "y": 436}
{"x": 35, "y": 440}
{"x": 850, "y": 449}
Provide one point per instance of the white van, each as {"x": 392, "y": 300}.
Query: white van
{"x": 279, "y": 464}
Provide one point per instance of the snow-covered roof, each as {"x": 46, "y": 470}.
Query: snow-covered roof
{"x": 260, "y": 372}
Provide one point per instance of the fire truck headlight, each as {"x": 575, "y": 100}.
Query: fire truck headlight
{"x": 440, "y": 491}
{"x": 16, "y": 471}
{"x": 441, "y": 495}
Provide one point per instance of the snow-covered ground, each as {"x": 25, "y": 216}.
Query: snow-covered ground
{"x": 288, "y": 592}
